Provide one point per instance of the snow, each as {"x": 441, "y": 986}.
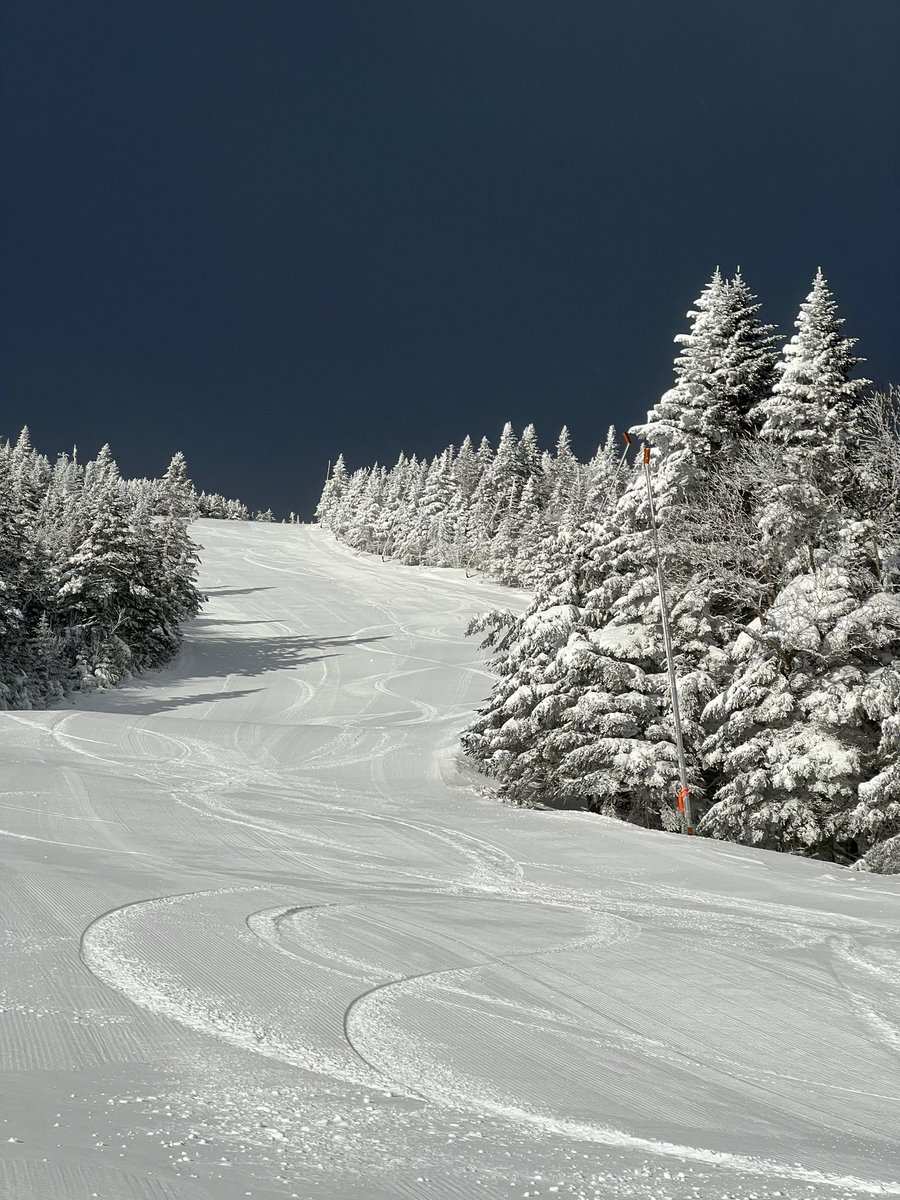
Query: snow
{"x": 265, "y": 935}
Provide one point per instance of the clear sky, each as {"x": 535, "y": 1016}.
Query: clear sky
{"x": 264, "y": 231}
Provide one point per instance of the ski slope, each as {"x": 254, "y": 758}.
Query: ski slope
{"x": 265, "y": 935}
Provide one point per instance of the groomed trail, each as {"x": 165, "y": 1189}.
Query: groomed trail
{"x": 265, "y": 935}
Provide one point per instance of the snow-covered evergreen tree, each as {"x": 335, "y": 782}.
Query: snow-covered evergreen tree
{"x": 815, "y": 409}
{"x": 333, "y": 491}
{"x": 97, "y": 574}
{"x": 794, "y": 730}
{"x": 179, "y": 499}
{"x": 597, "y": 726}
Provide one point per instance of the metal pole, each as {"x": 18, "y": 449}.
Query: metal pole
{"x": 684, "y": 795}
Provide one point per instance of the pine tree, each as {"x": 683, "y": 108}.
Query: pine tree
{"x": 533, "y": 529}
{"x": 30, "y": 472}
{"x": 595, "y": 725}
{"x": 724, "y": 369}
{"x": 601, "y": 475}
{"x": 815, "y": 408}
{"x": 793, "y": 732}
{"x": 94, "y": 597}
{"x": 333, "y": 491}
{"x": 467, "y": 470}
{"x": 563, "y": 476}
{"x": 500, "y": 485}
{"x": 437, "y": 511}
{"x": 813, "y": 417}
{"x": 531, "y": 462}
{"x": 179, "y": 499}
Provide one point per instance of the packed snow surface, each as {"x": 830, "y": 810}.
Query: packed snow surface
{"x": 265, "y": 935}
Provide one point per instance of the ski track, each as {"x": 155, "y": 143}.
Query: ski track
{"x": 288, "y": 920}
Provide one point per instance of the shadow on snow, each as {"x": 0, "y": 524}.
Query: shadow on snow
{"x": 207, "y": 655}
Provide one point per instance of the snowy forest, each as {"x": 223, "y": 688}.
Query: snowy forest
{"x": 775, "y": 480}
{"x": 97, "y": 573}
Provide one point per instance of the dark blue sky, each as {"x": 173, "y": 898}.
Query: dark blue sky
{"x": 269, "y": 230}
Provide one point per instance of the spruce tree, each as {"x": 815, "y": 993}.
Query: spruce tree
{"x": 597, "y": 726}
{"x": 179, "y": 497}
{"x": 793, "y": 732}
{"x": 333, "y": 492}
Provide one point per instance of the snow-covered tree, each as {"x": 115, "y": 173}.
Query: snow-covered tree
{"x": 599, "y": 721}
{"x": 333, "y": 491}
{"x": 815, "y": 409}
{"x": 794, "y": 730}
{"x": 177, "y": 495}
{"x": 97, "y": 574}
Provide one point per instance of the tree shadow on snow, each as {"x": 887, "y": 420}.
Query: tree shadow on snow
{"x": 226, "y": 591}
{"x": 120, "y": 701}
{"x": 207, "y": 655}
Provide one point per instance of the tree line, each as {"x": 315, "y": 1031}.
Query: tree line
{"x": 775, "y": 477}
{"x": 474, "y": 507}
{"x": 216, "y": 507}
{"x": 97, "y": 573}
